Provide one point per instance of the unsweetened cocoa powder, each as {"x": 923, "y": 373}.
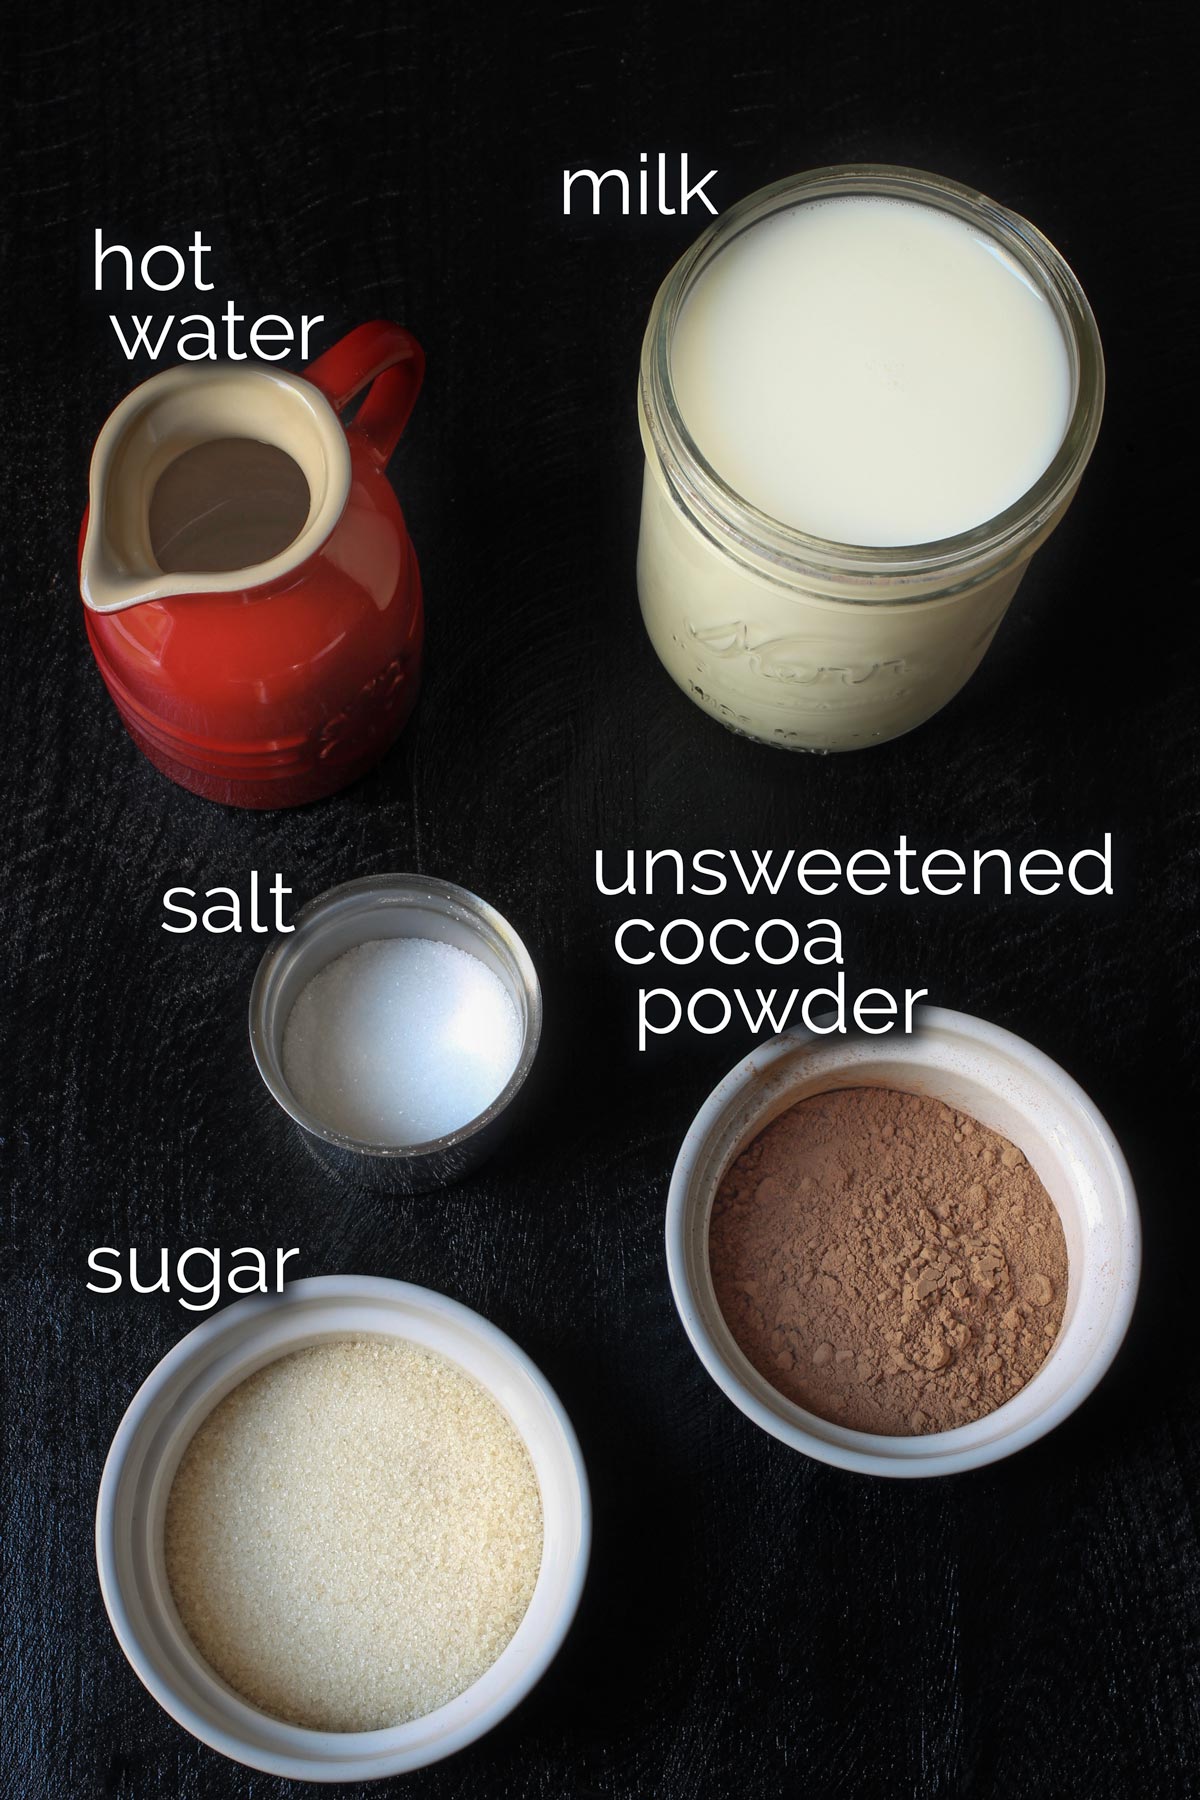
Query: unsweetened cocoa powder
{"x": 887, "y": 1262}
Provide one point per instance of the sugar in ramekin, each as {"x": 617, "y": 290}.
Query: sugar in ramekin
{"x": 164, "y": 1415}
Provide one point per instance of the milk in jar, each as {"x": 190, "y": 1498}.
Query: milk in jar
{"x": 867, "y": 396}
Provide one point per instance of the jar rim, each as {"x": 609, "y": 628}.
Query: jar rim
{"x": 786, "y": 551}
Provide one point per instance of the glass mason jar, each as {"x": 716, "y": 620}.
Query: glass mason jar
{"x": 806, "y": 643}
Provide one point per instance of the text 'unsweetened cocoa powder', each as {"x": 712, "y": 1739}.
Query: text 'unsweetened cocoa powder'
{"x": 887, "y": 1262}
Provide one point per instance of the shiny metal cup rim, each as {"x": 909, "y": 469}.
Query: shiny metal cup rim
{"x": 440, "y": 895}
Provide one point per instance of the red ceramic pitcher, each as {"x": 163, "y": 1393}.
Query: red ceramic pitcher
{"x": 279, "y": 682}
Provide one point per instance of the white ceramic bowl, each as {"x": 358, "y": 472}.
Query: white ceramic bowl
{"x": 165, "y": 1413}
{"x": 1007, "y": 1085}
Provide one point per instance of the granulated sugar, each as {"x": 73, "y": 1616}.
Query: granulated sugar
{"x": 401, "y": 1040}
{"x": 887, "y": 1262}
{"x": 354, "y": 1535}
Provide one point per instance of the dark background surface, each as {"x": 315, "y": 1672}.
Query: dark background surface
{"x": 755, "y": 1624}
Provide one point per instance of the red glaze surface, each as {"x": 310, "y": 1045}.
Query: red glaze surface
{"x": 275, "y": 696}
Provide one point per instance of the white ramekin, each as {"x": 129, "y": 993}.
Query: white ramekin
{"x": 162, "y": 1418}
{"x": 1007, "y": 1085}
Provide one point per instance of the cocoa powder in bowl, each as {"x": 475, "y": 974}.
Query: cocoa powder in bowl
{"x": 888, "y": 1263}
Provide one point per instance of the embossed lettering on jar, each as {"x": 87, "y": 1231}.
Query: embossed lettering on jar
{"x": 867, "y": 396}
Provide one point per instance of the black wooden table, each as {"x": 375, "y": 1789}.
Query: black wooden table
{"x": 755, "y": 1625}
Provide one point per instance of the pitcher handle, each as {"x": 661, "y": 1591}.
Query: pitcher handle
{"x": 392, "y": 361}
